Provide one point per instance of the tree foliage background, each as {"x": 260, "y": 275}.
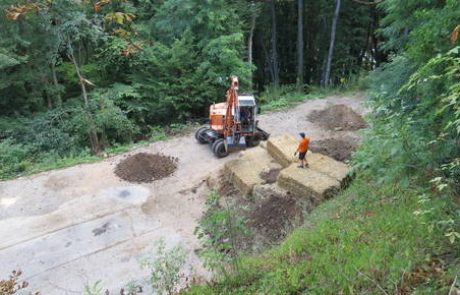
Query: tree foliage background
{"x": 415, "y": 96}
{"x": 80, "y": 76}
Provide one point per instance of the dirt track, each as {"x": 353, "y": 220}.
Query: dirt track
{"x": 70, "y": 227}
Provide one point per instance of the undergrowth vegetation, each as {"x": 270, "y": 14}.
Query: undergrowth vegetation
{"x": 218, "y": 231}
{"x": 371, "y": 239}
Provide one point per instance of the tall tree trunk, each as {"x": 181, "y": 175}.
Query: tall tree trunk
{"x": 93, "y": 138}
{"x": 300, "y": 43}
{"x": 250, "y": 43}
{"x": 332, "y": 43}
{"x": 49, "y": 102}
{"x": 366, "y": 46}
{"x": 275, "y": 64}
{"x": 267, "y": 57}
{"x": 323, "y": 71}
{"x": 379, "y": 56}
{"x": 56, "y": 84}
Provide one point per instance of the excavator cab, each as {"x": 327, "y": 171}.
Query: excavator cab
{"x": 248, "y": 110}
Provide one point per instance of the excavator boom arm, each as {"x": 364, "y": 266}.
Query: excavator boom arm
{"x": 231, "y": 116}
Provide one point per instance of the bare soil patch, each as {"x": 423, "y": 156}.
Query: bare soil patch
{"x": 337, "y": 148}
{"x": 226, "y": 188}
{"x": 269, "y": 220}
{"x": 270, "y": 176}
{"x": 145, "y": 167}
{"x": 338, "y": 117}
{"x": 275, "y": 217}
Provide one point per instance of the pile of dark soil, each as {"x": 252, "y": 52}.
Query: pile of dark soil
{"x": 144, "y": 167}
{"x": 337, "y": 148}
{"x": 275, "y": 217}
{"x": 270, "y": 176}
{"x": 338, "y": 117}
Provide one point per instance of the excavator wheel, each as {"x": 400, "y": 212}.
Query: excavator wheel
{"x": 252, "y": 141}
{"x": 199, "y": 135}
{"x": 213, "y": 145}
{"x": 218, "y": 148}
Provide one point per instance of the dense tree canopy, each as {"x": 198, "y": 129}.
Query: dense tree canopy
{"x": 91, "y": 74}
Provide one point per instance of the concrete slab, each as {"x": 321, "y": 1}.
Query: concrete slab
{"x": 114, "y": 266}
{"x": 60, "y": 247}
{"x": 86, "y": 208}
{"x": 308, "y": 183}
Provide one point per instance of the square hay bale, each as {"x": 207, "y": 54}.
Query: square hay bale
{"x": 308, "y": 183}
{"x": 263, "y": 191}
{"x": 328, "y": 166}
{"x": 244, "y": 172}
{"x": 282, "y": 149}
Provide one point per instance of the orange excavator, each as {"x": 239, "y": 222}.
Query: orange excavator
{"x": 232, "y": 124}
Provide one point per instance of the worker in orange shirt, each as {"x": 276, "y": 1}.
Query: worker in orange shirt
{"x": 302, "y": 150}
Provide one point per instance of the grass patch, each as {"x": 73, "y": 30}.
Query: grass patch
{"x": 369, "y": 240}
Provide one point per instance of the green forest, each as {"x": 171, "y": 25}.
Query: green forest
{"x": 83, "y": 78}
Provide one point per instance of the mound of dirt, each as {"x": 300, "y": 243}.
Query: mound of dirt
{"x": 275, "y": 217}
{"x": 338, "y": 118}
{"x": 144, "y": 167}
{"x": 339, "y": 149}
{"x": 270, "y": 176}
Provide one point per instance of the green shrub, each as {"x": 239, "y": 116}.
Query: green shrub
{"x": 165, "y": 268}
{"x": 218, "y": 231}
{"x": 14, "y": 158}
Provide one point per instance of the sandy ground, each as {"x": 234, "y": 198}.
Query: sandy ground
{"x": 71, "y": 227}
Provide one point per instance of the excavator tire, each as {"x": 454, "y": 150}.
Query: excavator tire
{"x": 252, "y": 141}
{"x": 213, "y": 145}
{"x": 218, "y": 148}
{"x": 199, "y": 135}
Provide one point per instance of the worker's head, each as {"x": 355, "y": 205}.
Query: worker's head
{"x": 302, "y": 134}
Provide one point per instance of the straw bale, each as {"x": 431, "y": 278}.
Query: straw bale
{"x": 328, "y": 166}
{"x": 308, "y": 183}
{"x": 263, "y": 144}
{"x": 282, "y": 149}
{"x": 244, "y": 172}
{"x": 263, "y": 191}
